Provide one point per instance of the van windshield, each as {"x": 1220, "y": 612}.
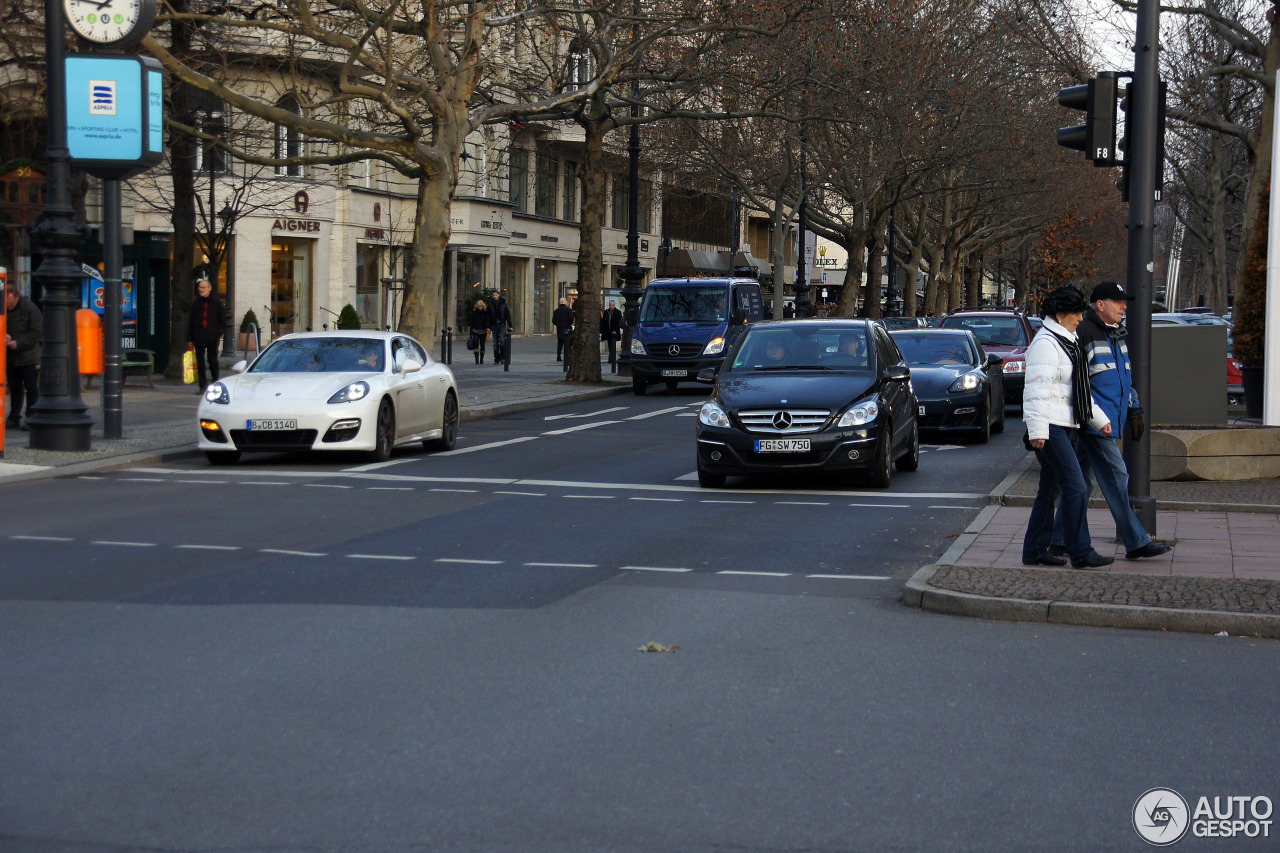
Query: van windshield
{"x": 685, "y": 304}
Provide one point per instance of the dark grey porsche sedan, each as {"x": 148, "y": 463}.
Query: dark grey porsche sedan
{"x": 809, "y": 395}
{"x": 959, "y": 385}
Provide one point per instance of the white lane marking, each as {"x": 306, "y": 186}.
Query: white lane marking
{"x": 462, "y": 560}
{"x": 942, "y": 446}
{"x": 523, "y": 494}
{"x": 141, "y": 480}
{"x": 692, "y": 475}
{"x": 714, "y": 501}
{"x": 457, "y": 451}
{"x": 89, "y": 477}
{"x": 581, "y": 427}
{"x": 885, "y": 506}
{"x": 45, "y": 538}
{"x": 126, "y": 544}
{"x": 563, "y": 565}
{"x": 687, "y": 415}
{"x": 289, "y": 553}
{"x": 327, "y": 486}
{"x": 390, "y": 489}
{"x": 261, "y": 483}
{"x": 459, "y": 491}
{"x": 652, "y": 569}
{"x": 378, "y": 557}
{"x": 948, "y": 506}
{"x": 802, "y": 503}
{"x": 655, "y": 414}
{"x": 851, "y": 577}
{"x": 592, "y": 497}
{"x": 376, "y": 466}
{"x": 665, "y": 500}
{"x": 202, "y": 482}
{"x": 756, "y": 574}
{"x": 586, "y": 414}
{"x": 209, "y": 547}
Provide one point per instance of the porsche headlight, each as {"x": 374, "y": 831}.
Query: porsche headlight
{"x": 637, "y": 348}
{"x": 354, "y": 391}
{"x": 863, "y": 413}
{"x": 712, "y": 415}
{"x": 217, "y": 393}
{"x": 1015, "y": 367}
{"x": 714, "y": 347}
{"x": 968, "y": 382}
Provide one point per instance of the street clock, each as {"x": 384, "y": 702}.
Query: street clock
{"x": 115, "y": 23}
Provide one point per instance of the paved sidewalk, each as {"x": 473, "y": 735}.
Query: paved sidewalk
{"x": 160, "y": 422}
{"x": 1222, "y": 575}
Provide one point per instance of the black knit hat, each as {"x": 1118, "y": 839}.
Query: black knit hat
{"x": 1064, "y": 300}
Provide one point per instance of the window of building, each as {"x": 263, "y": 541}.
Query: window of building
{"x": 519, "y": 180}
{"x": 644, "y": 215}
{"x": 288, "y": 139}
{"x": 581, "y": 67}
{"x": 544, "y": 191}
{"x": 570, "y": 209}
{"x": 209, "y": 157}
{"x": 620, "y": 192}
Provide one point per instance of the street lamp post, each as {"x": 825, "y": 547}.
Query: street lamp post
{"x": 891, "y": 292}
{"x": 632, "y": 273}
{"x": 802, "y": 276}
{"x": 60, "y": 419}
{"x": 227, "y": 216}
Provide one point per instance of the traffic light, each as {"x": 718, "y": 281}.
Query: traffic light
{"x": 1122, "y": 144}
{"x": 1097, "y": 136}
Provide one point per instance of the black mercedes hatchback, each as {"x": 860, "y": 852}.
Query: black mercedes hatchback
{"x": 809, "y": 395}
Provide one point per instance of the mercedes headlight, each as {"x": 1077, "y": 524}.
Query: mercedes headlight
{"x": 1015, "y": 367}
{"x": 637, "y": 348}
{"x": 354, "y": 391}
{"x": 968, "y": 382}
{"x": 712, "y": 415}
{"x": 863, "y": 413}
{"x": 714, "y": 347}
{"x": 217, "y": 393}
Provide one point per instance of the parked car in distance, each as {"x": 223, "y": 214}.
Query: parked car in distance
{"x": 807, "y": 396}
{"x": 1002, "y": 331}
{"x": 892, "y": 323}
{"x": 1183, "y": 318}
{"x": 688, "y": 324}
{"x": 1199, "y": 309}
{"x": 959, "y": 387}
{"x": 352, "y": 390}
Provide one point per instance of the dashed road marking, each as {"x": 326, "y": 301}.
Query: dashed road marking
{"x": 653, "y": 569}
{"x": 852, "y": 577}
{"x": 464, "y": 560}
{"x": 209, "y": 547}
{"x": 884, "y": 506}
{"x": 288, "y": 553}
{"x": 591, "y": 497}
{"x": 586, "y": 414}
{"x": 755, "y": 574}
{"x": 44, "y": 538}
{"x": 123, "y": 544}
{"x": 563, "y": 565}
{"x": 664, "y": 500}
{"x": 581, "y": 427}
{"x": 378, "y": 557}
{"x": 655, "y": 414}
{"x": 523, "y": 494}
{"x": 328, "y": 486}
{"x": 802, "y": 503}
{"x": 459, "y": 491}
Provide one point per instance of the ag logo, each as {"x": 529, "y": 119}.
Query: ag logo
{"x": 1161, "y": 817}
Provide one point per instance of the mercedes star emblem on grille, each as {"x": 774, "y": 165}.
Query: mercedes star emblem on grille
{"x": 782, "y": 420}
{"x": 674, "y": 349}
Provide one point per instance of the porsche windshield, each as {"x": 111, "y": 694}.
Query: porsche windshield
{"x": 685, "y": 304}
{"x": 321, "y": 355}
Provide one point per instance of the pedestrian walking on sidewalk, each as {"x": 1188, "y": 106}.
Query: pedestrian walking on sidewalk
{"x": 1102, "y": 340}
{"x": 24, "y": 331}
{"x": 562, "y": 319}
{"x": 1057, "y": 403}
{"x": 479, "y": 329}
{"x": 611, "y": 329}
{"x": 205, "y": 325}
{"x": 500, "y": 318}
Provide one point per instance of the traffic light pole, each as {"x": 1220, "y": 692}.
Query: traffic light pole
{"x": 1142, "y": 158}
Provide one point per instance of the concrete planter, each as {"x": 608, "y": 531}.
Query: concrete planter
{"x": 1215, "y": 453}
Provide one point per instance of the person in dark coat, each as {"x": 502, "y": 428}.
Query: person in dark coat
{"x": 562, "y": 319}
{"x": 205, "y": 325}
{"x": 500, "y": 320}
{"x": 611, "y": 329}
{"x": 22, "y": 339}
{"x": 480, "y": 323}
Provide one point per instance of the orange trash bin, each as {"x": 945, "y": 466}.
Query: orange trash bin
{"x": 89, "y": 342}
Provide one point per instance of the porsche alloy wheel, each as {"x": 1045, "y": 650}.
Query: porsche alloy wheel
{"x": 449, "y": 426}
{"x": 385, "y": 432}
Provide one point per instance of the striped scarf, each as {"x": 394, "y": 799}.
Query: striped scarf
{"x": 1081, "y": 393}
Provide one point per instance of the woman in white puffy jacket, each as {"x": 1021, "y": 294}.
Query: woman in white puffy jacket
{"x": 1056, "y": 402}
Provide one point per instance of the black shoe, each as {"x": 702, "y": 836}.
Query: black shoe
{"x": 1059, "y": 550}
{"x": 1151, "y": 549}
{"x": 1093, "y": 560}
{"x": 1044, "y": 558}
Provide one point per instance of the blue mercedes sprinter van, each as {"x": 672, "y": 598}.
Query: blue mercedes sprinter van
{"x": 686, "y": 324}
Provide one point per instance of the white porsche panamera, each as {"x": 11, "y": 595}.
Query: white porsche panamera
{"x": 366, "y": 391}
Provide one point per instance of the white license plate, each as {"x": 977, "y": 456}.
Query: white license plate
{"x": 782, "y": 445}
{"x": 922, "y": 410}
{"x": 270, "y": 424}
{"x": 674, "y": 373}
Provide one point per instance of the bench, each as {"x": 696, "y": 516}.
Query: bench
{"x": 136, "y": 361}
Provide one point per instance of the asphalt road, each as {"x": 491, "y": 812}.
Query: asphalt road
{"x": 442, "y": 653}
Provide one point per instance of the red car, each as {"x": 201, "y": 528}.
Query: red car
{"x": 1004, "y": 332}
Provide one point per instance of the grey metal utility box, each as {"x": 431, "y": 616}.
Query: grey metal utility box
{"x": 1188, "y": 376}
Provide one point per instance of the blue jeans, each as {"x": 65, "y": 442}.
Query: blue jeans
{"x": 1102, "y": 461}
{"x": 1059, "y": 473}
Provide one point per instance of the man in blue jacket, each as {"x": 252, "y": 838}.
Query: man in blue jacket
{"x": 1102, "y": 338}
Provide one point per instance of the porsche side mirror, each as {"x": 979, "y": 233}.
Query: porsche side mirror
{"x": 410, "y": 365}
{"x": 240, "y": 367}
{"x": 707, "y": 374}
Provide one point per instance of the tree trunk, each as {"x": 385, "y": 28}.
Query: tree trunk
{"x": 421, "y": 312}
{"x": 875, "y": 269}
{"x": 584, "y": 359}
{"x": 182, "y": 164}
{"x": 778, "y": 252}
{"x": 855, "y": 245}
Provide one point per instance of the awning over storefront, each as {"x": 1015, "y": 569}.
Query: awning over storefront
{"x": 693, "y": 262}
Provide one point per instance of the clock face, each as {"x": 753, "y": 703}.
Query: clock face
{"x": 109, "y": 21}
